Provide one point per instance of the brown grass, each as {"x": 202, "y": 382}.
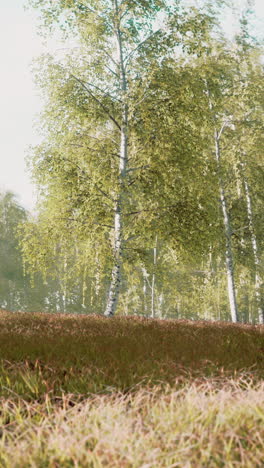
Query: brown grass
{"x": 86, "y": 391}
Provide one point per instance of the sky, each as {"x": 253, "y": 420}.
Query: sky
{"x": 20, "y": 102}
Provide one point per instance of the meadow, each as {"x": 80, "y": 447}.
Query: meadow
{"x": 90, "y": 391}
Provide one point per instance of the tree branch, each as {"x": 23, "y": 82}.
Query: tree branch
{"x": 140, "y": 45}
{"x": 112, "y": 71}
{"x": 83, "y": 146}
{"x": 137, "y": 168}
{"x": 76, "y": 145}
{"x": 111, "y": 58}
{"x": 222, "y": 129}
{"x": 104, "y": 92}
{"x": 96, "y": 100}
{"x": 85, "y": 176}
{"x": 105, "y": 225}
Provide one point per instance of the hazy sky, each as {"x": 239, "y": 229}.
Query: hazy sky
{"x": 19, "y": 44}
{"x": 19, "y": 102}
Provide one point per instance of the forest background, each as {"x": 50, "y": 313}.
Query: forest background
{"x": 150, "y": 171}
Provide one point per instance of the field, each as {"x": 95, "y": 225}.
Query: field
{"x": 88, "y": 391}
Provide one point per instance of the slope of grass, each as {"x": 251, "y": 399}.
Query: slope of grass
{"x": 86, "y": 391}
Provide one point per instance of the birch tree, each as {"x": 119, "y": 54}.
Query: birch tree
{"x": 91, "y": 106}
{"x": 249, "y": 133}
{"x": 94, "y": 158}
{"x": 255, "y": 248}
{"x": 228, "y": 231}
{"x": 249, "y": 136}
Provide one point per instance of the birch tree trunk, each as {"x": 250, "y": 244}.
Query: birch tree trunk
{"x": 160, "y": 305}
{"x": 153, "y": 280}
{"x": 228, "y": 235}
{"x": 64, "y": 286}
{"x": 145, "y": 283}
{"x": 258, "y": 280}
{"x": 116, "y": 276}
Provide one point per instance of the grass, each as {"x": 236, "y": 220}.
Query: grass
{"x": 87, "y": 391}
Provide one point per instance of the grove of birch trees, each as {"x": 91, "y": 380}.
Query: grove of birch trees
{"x": 150, "y": 170}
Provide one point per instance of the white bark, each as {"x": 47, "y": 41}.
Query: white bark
{"x": 145, "y": 283}
{"x": 258, "y": 280}
{"x": 228, "y": 236}
{"x": 153, "y": 296}
{"x": 64, "y": 286}
{"x": 160, "y": 305}
{"x": 116, "y": 276}
{"x": 153, "y": 280}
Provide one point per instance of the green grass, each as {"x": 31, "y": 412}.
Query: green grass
{"x": 87, "y": 391}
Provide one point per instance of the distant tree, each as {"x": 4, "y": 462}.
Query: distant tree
{"x": 11, "y": 269}
{"x": 16, "y": 290}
